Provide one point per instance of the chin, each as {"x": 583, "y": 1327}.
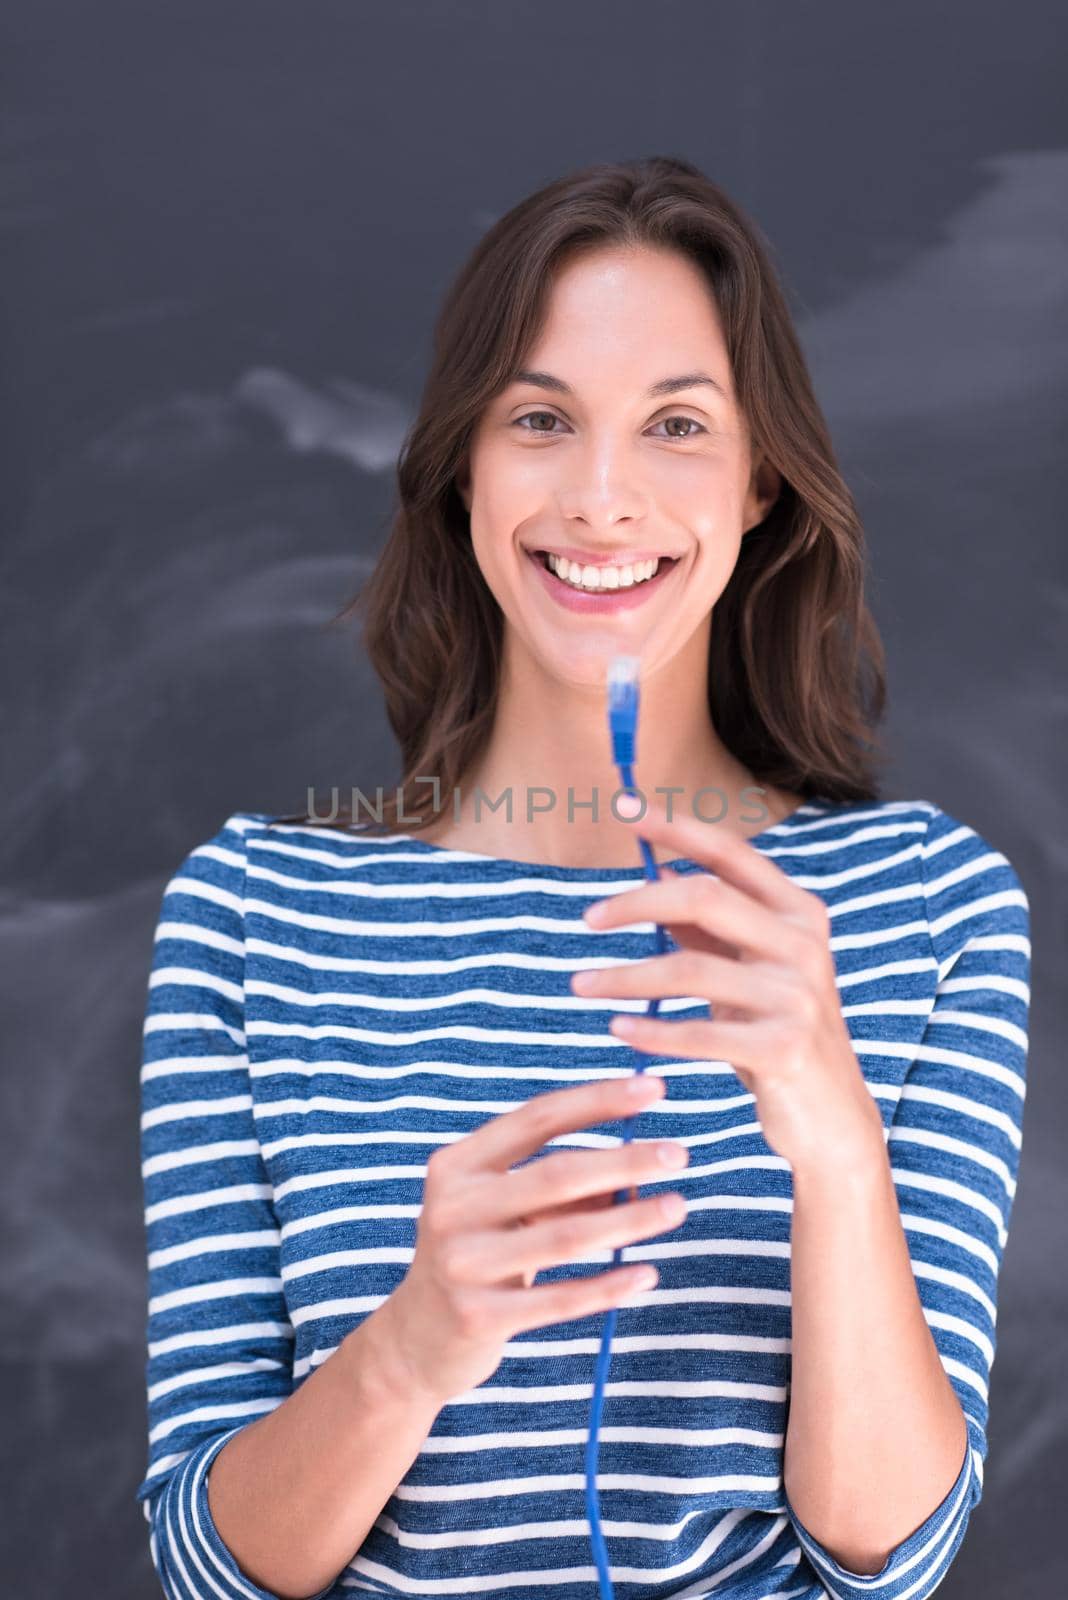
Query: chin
{"x": 583, "y": 663}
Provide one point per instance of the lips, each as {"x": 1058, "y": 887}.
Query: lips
{"x": 592, "y": 602}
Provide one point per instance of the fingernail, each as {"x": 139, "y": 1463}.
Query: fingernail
{"x": 672, "y": 1155}
{"x": 638, "y": 1084}
{"x": 628, "y": 805}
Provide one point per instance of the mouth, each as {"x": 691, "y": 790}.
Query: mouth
{"x": 600, "y": 586}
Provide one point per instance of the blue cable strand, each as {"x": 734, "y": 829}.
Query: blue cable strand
{"x": 623, "y": 719}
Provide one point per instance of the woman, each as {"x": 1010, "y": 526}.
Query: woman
{"x": 384, "y": 1078}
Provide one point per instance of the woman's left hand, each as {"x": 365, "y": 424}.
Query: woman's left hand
{"x": 757, "y": 947}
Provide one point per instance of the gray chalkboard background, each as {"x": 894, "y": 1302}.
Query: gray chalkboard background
{"x": 226, "y": 227}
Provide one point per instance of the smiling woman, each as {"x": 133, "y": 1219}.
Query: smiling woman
{"x": 383, "y": 1081}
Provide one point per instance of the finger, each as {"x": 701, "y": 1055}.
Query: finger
{"x": 706, "y": 902}
{"x": 576, "y": 1174}
{"x": 595, "y": 1203}
{"x": 492, "y": 1256}
{"x": 569, "y": 1208}
{"x": 688, "y": 972}
{"x": 577, "y": 1297}
{"x": 739, "y": 1044}
{"x": 691, "y": 937}
{"x": 728, "y": 854}
{"x": 504, "y": 1140}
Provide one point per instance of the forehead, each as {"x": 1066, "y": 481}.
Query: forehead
{"x": 639, "y": 308}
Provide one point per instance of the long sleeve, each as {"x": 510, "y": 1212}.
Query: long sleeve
{"x": 954, "y": 1146}
{"x": 219, "y": 1337}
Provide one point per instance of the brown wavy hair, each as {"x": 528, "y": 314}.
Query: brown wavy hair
{"x": 796, "y": 670}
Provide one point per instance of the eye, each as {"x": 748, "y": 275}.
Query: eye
{"x": 527, "y": 416}
{"x": 693, "y": 426}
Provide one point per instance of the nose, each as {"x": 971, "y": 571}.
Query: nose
{"x": 603, "y": 491}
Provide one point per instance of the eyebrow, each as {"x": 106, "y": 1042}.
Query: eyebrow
{"x": 688, "y": 380}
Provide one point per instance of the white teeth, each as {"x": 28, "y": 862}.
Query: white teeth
{"x": 590, "y": 577}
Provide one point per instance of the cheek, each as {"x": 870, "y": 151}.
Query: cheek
{"x": 494, "y": 544}
{"x": 717, "y": 553}
{"x": 507, "y": 511}
{"x": 699, "y": 494}
{"x": 710, "y": 485}
{"x": 711, "y": 503}
{"x": 495, "y": 540}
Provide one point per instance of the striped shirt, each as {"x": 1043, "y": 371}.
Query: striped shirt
{"x": 326, "y": 1007}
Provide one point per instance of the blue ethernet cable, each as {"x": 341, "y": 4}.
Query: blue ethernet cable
{"x": 623, "y": 726}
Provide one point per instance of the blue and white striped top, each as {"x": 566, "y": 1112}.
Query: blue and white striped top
{"x": 326, "y": 1007}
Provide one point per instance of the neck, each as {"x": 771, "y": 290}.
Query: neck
{"x": 551, "y": 737}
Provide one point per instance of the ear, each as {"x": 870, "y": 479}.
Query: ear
{"x": 765, "y": 487}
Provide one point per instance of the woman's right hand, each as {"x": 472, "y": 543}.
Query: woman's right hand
{"x": 488, "y": 1227}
